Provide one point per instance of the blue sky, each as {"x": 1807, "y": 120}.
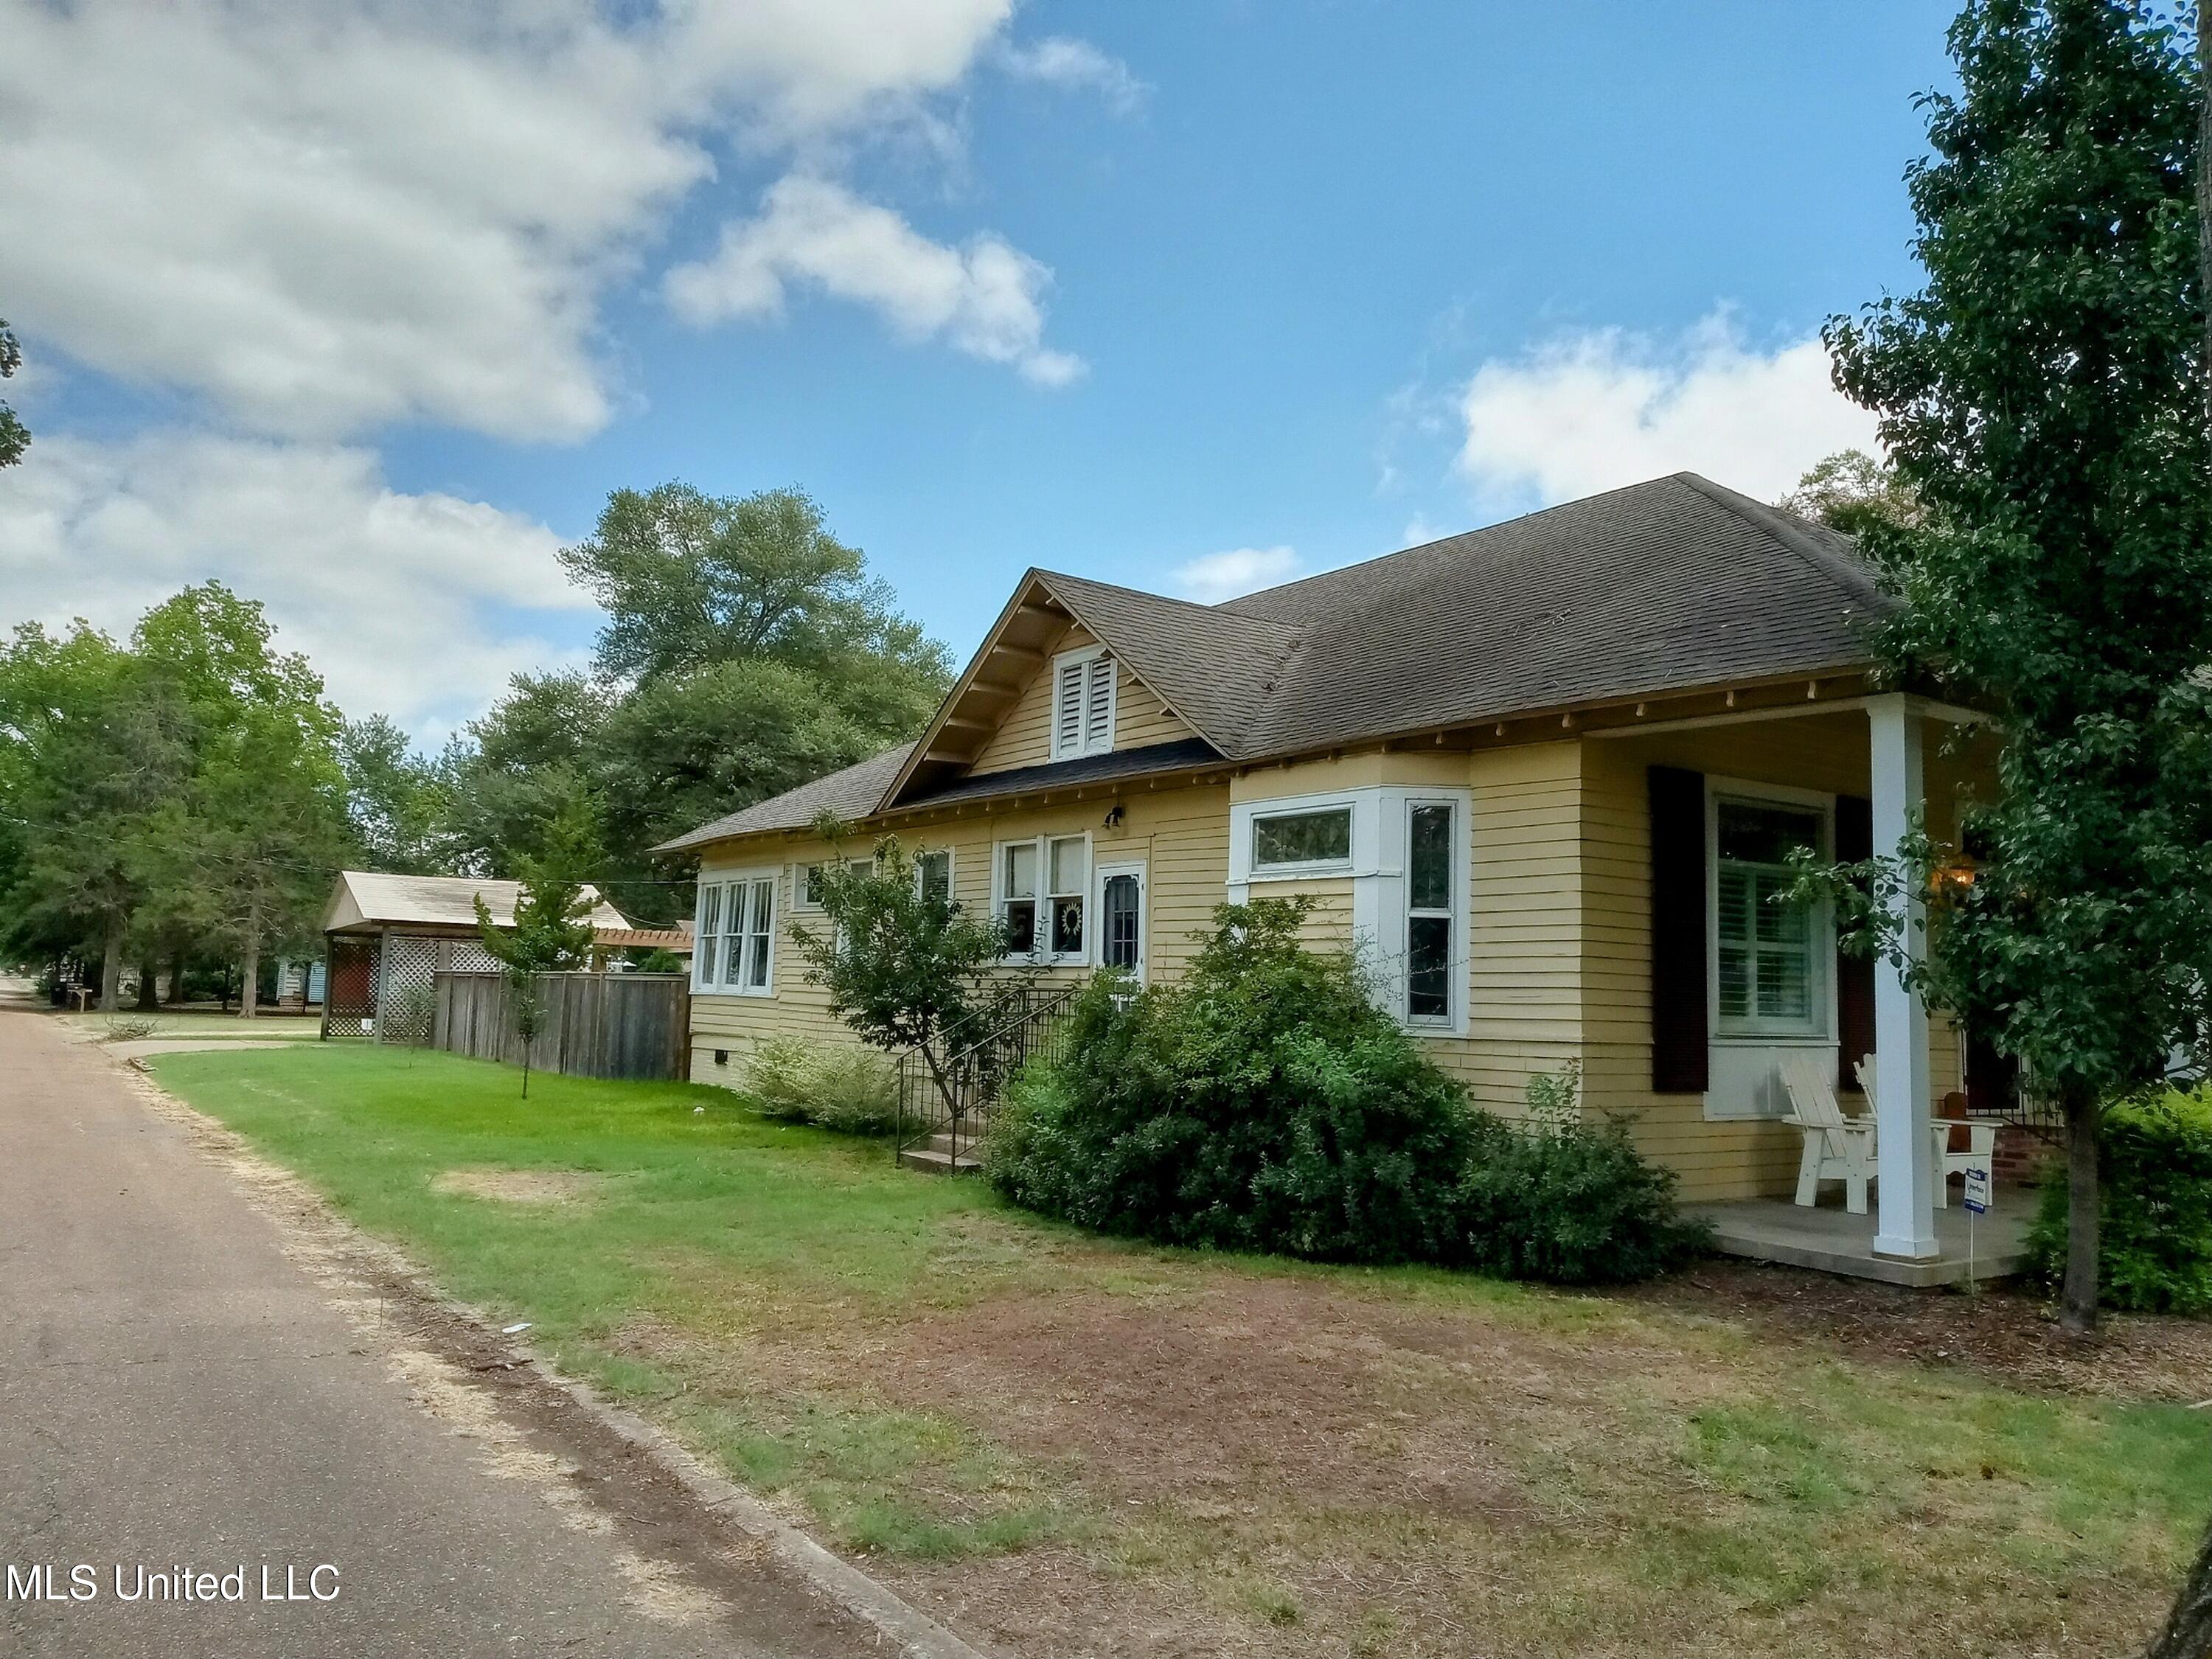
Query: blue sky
{"x": 371, "y": 316}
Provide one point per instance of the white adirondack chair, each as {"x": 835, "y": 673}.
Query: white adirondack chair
{"x": 1950, "y": 1160}
{"x": 1836, "y": 1147}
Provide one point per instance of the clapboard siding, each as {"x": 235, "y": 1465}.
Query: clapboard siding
{"x": 1025, "y": 736}
{"x": 1180, "y": 835}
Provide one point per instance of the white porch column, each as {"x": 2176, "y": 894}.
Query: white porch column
{"x": 1905, "y": 1206}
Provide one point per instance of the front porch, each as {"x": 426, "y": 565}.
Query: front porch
{"x": 1827, "y": 1238}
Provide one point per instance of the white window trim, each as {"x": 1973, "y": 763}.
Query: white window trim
{"x": 1042, "y": 844}
{"x": 1749, "y": 1034}
{"x": 1292, "y": 870}
{"x": 1453, "y": 1020}
{"x": 1364, "y": 805}
{"x": 1746, "y": 1084}
{"x": 1085, "y": 656}
{"x": 728, "y": 881}
{"x": 799, "y": 869}
{"x": 1377, "y": 870}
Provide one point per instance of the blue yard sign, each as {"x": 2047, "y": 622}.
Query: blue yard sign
{"x": 1977, "y": 1194}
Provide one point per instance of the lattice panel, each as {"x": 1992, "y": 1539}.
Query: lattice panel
{"x": 408, "y": 998}
{"x": 349, "y": 995}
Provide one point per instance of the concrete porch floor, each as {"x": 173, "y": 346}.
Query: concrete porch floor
{"x": 1829, "y": 1239}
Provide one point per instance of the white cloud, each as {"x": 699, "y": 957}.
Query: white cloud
{"x": 415, "y": 605}
{"x": 323, "y": 217}
{"x": 1590, "y": 411}
{"x": 1214, "y": 577}
{"x": 1061, "y": 61}
{"x": 986, "y": 298}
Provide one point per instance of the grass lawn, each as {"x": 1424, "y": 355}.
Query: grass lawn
{"x": 264, "y": 1026}
{"x": 1067, "y": 1445}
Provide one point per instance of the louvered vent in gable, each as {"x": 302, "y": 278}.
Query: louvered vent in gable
{"x": 1082, "y": 703}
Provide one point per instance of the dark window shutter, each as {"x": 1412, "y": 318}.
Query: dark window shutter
{"x": 1678, "y": 931}
{"x": 1853, "y": 974}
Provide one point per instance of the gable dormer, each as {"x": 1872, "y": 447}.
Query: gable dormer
{"x": 1044, "y": 688}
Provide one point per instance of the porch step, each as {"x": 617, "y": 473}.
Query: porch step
{"x": 937, "y": 1160}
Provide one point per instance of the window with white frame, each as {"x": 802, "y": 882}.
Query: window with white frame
{"x": 1431, "y": 922}
{"x": 1082, "y": 703}
{"x": 1042, "y": 886}
{"x": 1769, "y": 953}
{"x": 734, "y": 944}
{"x": 932, "y": 873}
{"x": 808, "y": 884}
{"x": 1316, "y": 839}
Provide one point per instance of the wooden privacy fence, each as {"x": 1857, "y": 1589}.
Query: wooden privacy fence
{"x": 624, "y": 1026}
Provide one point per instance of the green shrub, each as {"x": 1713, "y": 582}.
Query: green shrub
{"x": 836, "y": 1086}
{"x": 1262, "y": 1104}
{"x": 1572, "y": 1203}
{"x": 2154, "y": 1226}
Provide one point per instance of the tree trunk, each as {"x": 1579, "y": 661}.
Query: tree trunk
{"x": 249, "y": 987}
{"x": 2188, "y": 1633}
{"x": 111, "y": 964}
{"x": 177, "y": 979}
{"x": 149, "y": 987}
{"x": 2077, "y": 1303}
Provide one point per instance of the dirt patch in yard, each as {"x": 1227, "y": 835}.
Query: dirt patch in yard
{"x": 518, "y": 1185}
{"x": 2008, "y": 1335}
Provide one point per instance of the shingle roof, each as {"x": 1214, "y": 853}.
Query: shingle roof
{"x": 852, "y": 793}
{"x": 1661, "y": 586}
{"x": 1673, "y": 583}
{"x": 1214, "y": 668}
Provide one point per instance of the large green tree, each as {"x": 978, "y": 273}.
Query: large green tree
{"x": 746, "y": 650}
{"x": 93, "y": 747}
{"x": 248, "y": 844}
{"x": 398, "y": 801}
{"x": 2042, "y": 397}
{"x": 689, "y": 580}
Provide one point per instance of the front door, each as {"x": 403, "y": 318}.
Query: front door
{"x": 1121, "y": 917}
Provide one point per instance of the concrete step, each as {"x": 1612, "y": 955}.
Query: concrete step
{"x": 937, "y": 1161}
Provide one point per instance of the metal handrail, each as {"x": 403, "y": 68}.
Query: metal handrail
{"x": 967, "y": 1081}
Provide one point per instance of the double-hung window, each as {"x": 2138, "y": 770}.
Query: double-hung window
{"x": 734, "y": 944}
{"x": 932, "y": 873}
{"x": 1430, "y": 947}
{"x": 1042, "y": 886}
{"x": 809, "y": 880}
{"x": 1082, "y": 703}
{"x": 1768, "y": 979}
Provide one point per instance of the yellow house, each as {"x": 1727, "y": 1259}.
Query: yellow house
{"x": 1542, "y": 776}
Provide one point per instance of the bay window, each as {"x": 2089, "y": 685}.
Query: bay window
{"x": 1306, "y": 840}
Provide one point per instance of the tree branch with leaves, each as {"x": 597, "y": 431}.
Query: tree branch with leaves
{"x": 905, "y": 966}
